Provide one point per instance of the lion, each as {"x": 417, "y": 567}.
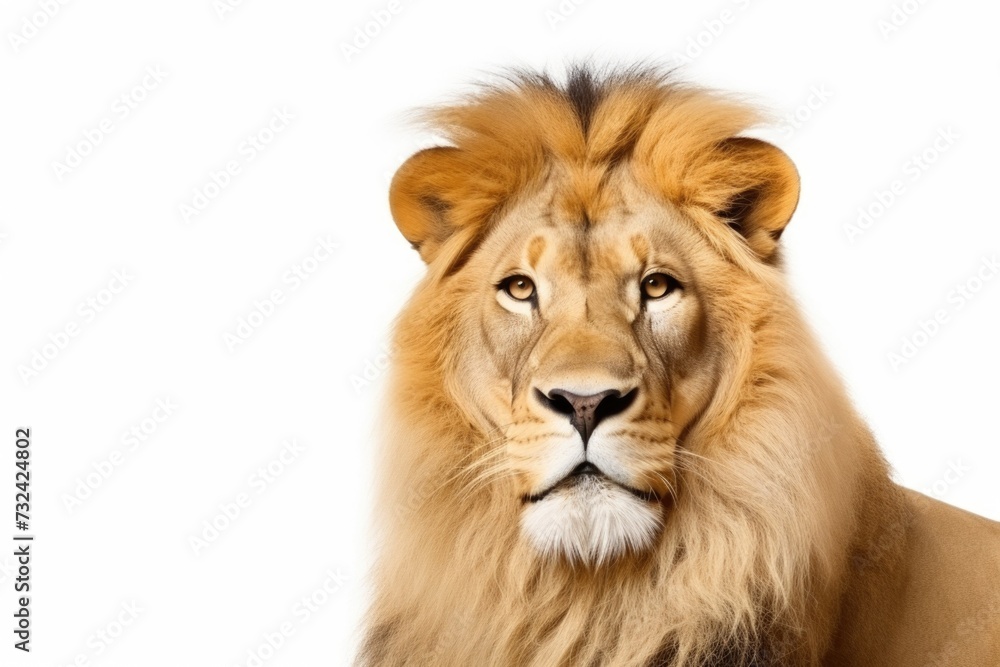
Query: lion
{"x": 610, "y": 437}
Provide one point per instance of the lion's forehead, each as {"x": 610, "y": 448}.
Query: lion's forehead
{"x": 635, "y": 231}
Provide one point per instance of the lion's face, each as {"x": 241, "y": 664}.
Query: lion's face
{"x": 587, "y": 345}
{"x": 588, "y": 267}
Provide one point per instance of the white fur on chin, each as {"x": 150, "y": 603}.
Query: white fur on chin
{"x": 591, "y": 520}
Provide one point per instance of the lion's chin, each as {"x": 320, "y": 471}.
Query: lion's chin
{"x": 591, "y": 520}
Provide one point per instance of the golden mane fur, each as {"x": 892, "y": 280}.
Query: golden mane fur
{"x": 783, "y": 538}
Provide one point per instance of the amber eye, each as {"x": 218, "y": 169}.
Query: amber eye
{"x": 518, "y": 287}
{"x": 658, "y": 285}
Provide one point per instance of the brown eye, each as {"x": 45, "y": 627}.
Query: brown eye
{"x": 519, "y": 287}
{"x": 658, "y": 285}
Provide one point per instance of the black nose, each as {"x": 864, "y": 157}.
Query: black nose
{"x": 585, "y": 412}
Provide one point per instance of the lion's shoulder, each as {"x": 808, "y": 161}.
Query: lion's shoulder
{"x": 943, "y": 605}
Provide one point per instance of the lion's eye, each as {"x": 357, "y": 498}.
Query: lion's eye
{"x": 658, "y": 285}
{"x": 518, "y": 287}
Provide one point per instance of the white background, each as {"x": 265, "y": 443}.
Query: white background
{"x": 884, "y": 98}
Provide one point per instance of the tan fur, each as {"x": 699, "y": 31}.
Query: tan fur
{"x": 781, "y": 539}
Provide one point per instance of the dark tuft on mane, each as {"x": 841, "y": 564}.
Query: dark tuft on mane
{"x": 584, "y": 92}
{"x": 586, "y": 86}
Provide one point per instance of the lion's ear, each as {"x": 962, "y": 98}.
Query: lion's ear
{"x": 420, "y": 198}
{"x": 756, "y": 188}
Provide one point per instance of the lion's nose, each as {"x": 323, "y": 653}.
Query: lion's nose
{"x": 585, "y": 412}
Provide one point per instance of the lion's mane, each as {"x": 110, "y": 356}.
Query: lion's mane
{"x": 750, "y": 563}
